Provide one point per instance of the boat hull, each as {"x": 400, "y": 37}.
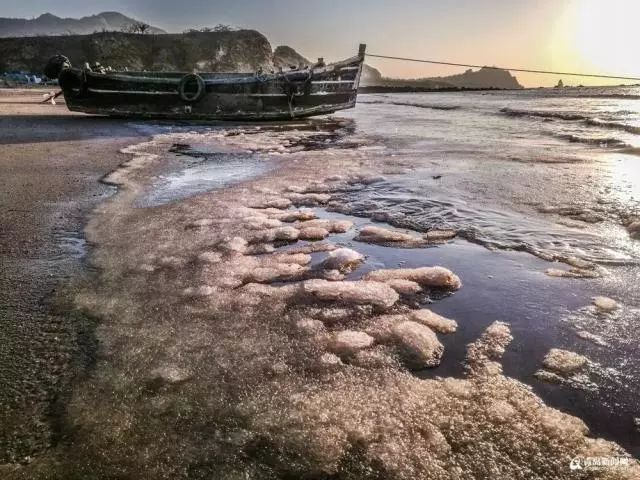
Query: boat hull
{"x": 314, "y": 91}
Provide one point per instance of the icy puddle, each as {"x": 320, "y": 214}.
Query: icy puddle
{"x": 196, "y": 171}
{"x": 199, "y": 164}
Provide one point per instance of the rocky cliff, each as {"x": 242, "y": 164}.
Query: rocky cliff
{"x": 370, "y": 76}
{"x": 242, "y": 50}
{"x": 48, "y": 24}
{"x": 285, "y": 57}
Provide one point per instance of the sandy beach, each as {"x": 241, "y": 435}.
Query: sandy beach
{"x": 50, "y": 167}
{"x": 246, "y": 328}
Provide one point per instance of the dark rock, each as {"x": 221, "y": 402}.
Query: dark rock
{"x": 285, "y": 57}
{"x": 242, "y": 50}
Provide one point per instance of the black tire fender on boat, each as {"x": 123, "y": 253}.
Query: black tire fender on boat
{"x": 73, "y": 82}
{"x": 192, "y": 96}
{"x": 56, "y": 65}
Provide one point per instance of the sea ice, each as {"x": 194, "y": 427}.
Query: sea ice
{"x": 434, "y": 236}
{"x": 605, "y": 304}
{"x": 318, "y": 187}
{"x": 260, "y": 249}
{"x": 365, "y": 179}
{"x": 383, "y": 236}
{"x": 299, "y": 258}
{"x": 333, "y": 226}
{"x": 235, "y": 245}
{"x": 288, "y": 234}
{"x": 332, "y": 275}
{"x": 595, "y": 339}
{"x": 343, "y": 260}
{"x": 274, "y": 273}
{"x": 418, "y": 345}
{"x": 351, "y": 292}
{"x": 260, "y": 223}
{"x": 381, "y": 326}
{"x": 436, "y": 277}
{"x": 377, "y": 357}
{"x": 278, "y": 203}
{"x": 314, "y": 247}
{"x": 483, "y": 354}
{"x": 299, "y": 216}
{"x": 578, "y": 263}
{"x": 434, "y": 321}
{"x": 404, "y": 287}
{"x": 313, "y": 233}
{"x": 547, "y": 376}
{"x": 348, "y": 342}
{"x": 571, "y": 273}
{"x": 335, "y": 178}
{"x": 332, "y": 315}
{"x": 564, "y": 362}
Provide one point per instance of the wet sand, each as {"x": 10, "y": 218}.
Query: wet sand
{"x": 51, "y": 162}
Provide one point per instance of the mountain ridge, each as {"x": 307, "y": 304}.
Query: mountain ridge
{"x": 48, "y": 24}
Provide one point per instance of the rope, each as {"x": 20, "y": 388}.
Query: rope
{"x": 503, "y": 68}
{"x": 51, "y": 97}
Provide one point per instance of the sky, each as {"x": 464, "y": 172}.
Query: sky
{"x": 590, "y": 36}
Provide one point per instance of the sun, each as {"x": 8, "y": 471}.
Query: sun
{"x": 603, "y": 34}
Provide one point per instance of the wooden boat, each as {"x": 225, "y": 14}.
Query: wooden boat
{"x": 302, "y": 92}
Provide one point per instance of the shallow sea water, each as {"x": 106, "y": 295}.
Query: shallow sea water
{"x": 523, "y": 177}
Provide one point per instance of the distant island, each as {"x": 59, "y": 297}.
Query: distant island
{"x": 484, "y": 78}
{"x": 48, "y": 24}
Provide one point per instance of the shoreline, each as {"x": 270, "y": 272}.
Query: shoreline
{"x": 215, "y": 262}
{"x": 148, "y": 255}
{"x": 50, "y": 170}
